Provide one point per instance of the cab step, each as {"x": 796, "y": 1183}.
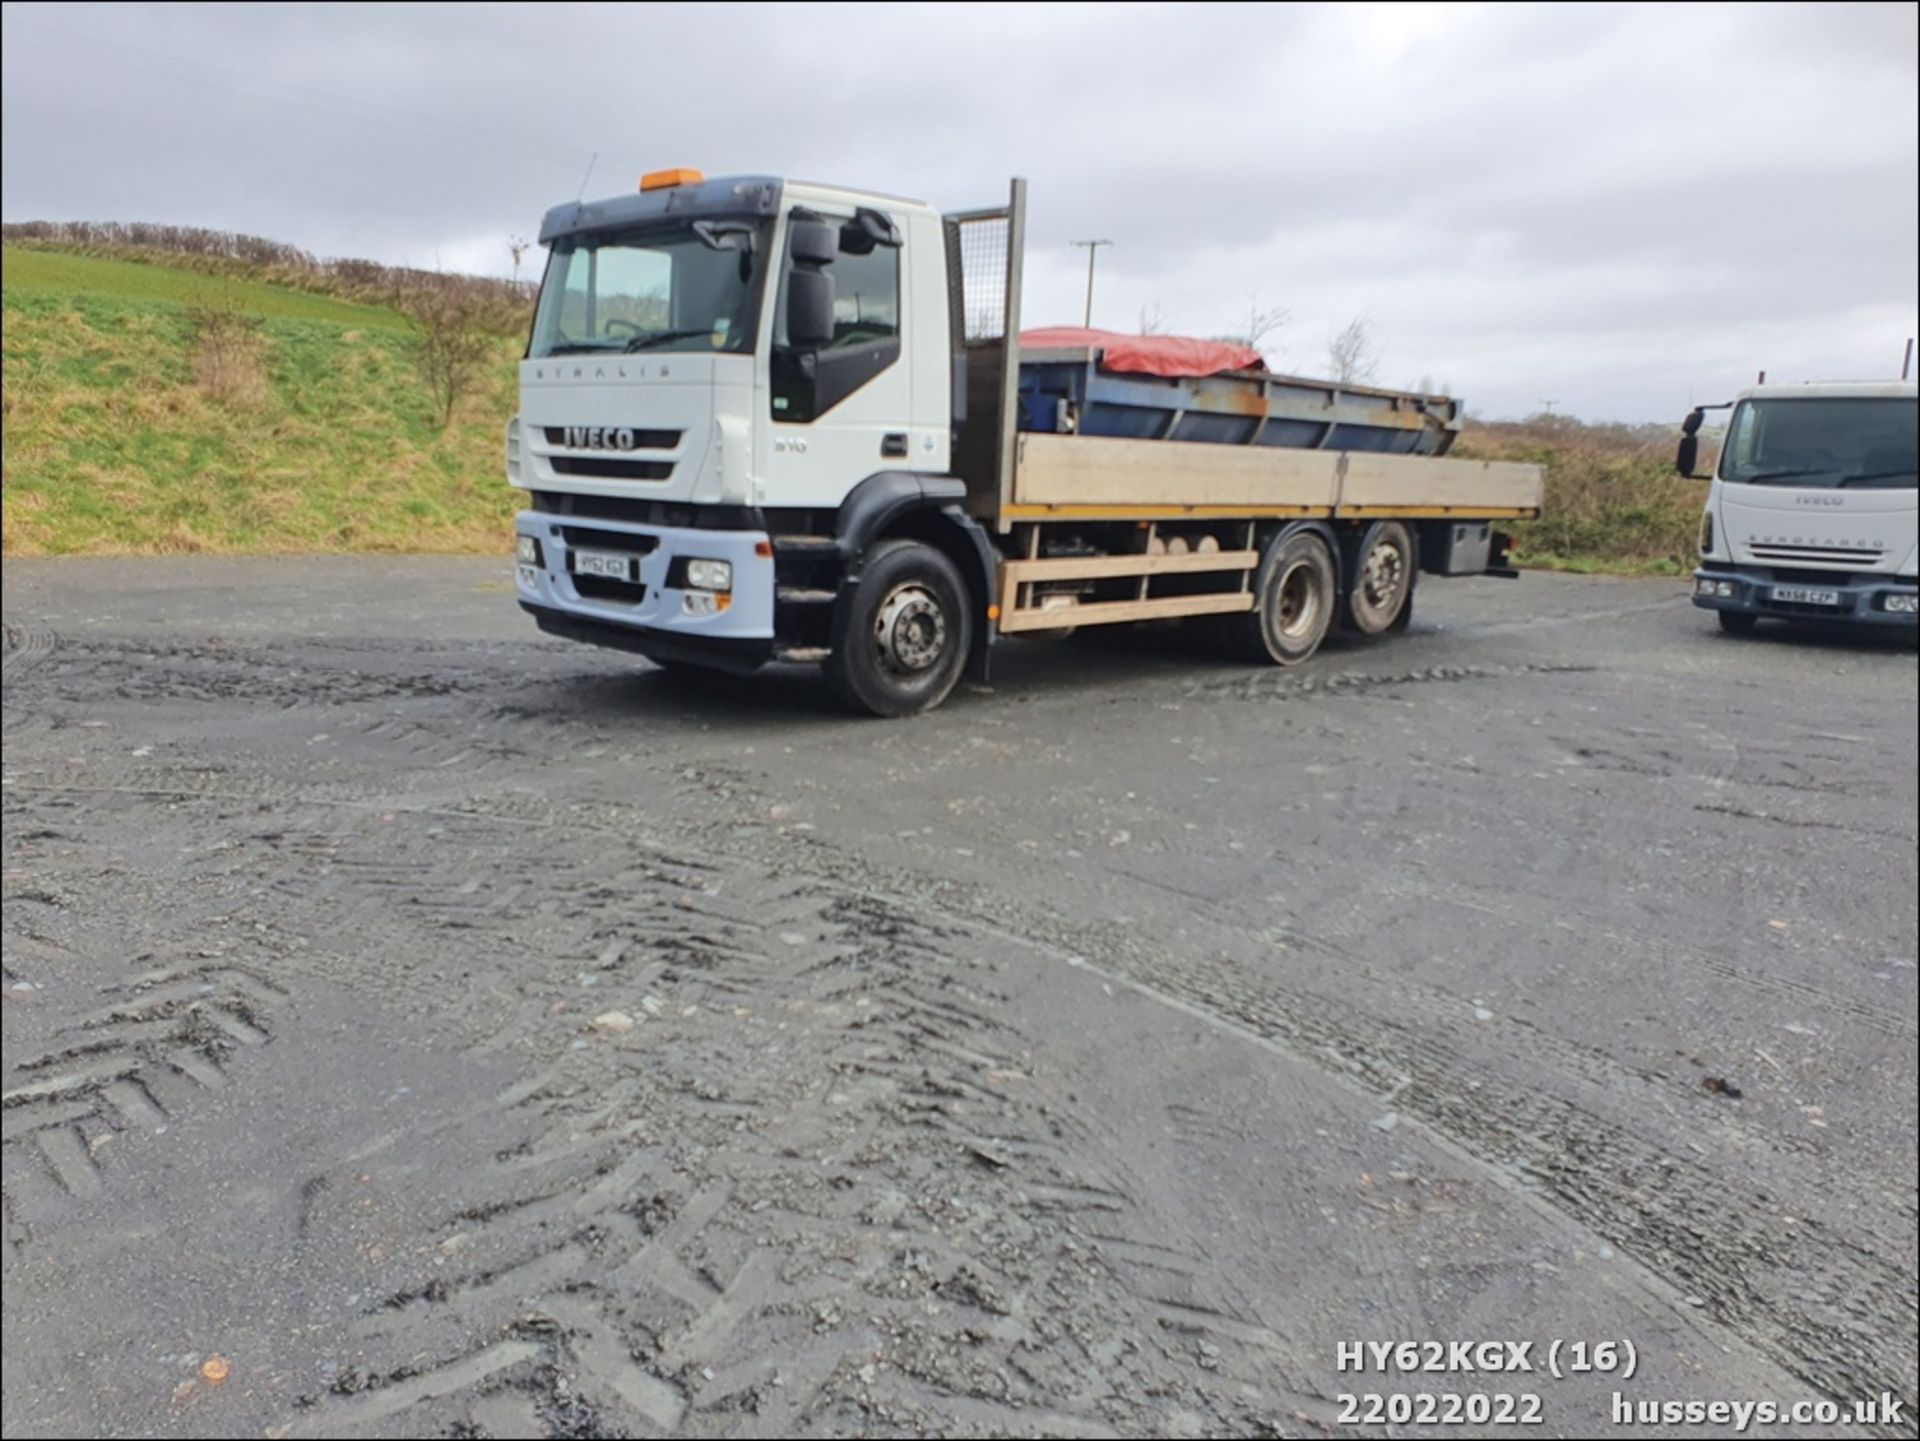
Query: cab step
{"x": 801, "y": 654}
{"x": 802, "y": 595}
{"x": 806, "y": 545}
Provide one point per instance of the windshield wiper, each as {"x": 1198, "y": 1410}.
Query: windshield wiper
{"x": 1768, "y": 475}
{"x": 647, "y": 342}
{"x": 1876, "y": 475}
{"x": 576, "y": 347}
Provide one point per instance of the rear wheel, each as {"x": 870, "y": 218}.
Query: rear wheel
{"x": 1384, "y": 566}
{"x": 901, "y": 639}
{"x": 1737, "y": 622}
{"x": 1295, "y": 597}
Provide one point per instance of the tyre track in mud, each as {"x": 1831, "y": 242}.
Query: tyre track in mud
{"x": 716, "y": 1204}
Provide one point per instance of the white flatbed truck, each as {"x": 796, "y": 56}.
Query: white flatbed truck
{"x": 768, "y": 420}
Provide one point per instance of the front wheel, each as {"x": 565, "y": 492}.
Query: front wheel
{"x": 1295, "y": 597}
{"x": 901, "y": 638}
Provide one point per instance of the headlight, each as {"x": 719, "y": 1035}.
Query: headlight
{"x": 1902, "y": 604}
{"x": 709, "y": 575}
{"x": 529, "y": 549}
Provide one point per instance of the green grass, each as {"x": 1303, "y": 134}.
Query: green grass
{"x": 38, "y": 271}
{"x": 112, "y": 445}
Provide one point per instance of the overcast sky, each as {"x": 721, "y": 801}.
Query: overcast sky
{"x": 1619, "y": 209}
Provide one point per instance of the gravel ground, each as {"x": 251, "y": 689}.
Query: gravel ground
{"x": 416, "y": 1026}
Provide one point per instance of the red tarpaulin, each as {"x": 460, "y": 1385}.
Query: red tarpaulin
{"x": 1147, "y": 354}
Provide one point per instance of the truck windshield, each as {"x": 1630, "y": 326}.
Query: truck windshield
{"x": 691, "y": 286}
{"x": 1864, "y": 443}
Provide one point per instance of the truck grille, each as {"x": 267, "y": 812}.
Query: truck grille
{"x": 1816, "y": 552}
{"x": 611, "y": 469}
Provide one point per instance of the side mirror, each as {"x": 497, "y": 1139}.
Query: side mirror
{"x": 809, "y": 308}
{"x": 867, "y": 229}
{"x": 1688, "y": 456}
{"x": 1689, "y": 452}
{"x": 812, "y": 242}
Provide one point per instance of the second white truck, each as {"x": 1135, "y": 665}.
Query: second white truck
{"x": 1811, "y": 514}
{"x": 762, "y": 419}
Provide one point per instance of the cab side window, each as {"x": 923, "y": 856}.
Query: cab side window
{"x": 866, "y": 334}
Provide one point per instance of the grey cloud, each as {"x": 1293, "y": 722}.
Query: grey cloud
{"x": 1618, "y": 206}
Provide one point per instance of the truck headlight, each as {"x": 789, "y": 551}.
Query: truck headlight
{"x": 529, "y": 550}
{"x": 709, "y": 575}
{"x": 1902, "y": 605}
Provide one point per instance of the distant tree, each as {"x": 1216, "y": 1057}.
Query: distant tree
{"x": 1153, "y": 321}
{"x": 450, "y": 341}
{"x": 1260, "y": 322}
{"x": 1351, "y": 355}
{"x": 519, "y": 245}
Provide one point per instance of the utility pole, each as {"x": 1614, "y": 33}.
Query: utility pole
{"x": 1093, "y": 249}
{"x": 1549, "y": 404}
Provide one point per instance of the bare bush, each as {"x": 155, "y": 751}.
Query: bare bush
{"x": 228, "y": 353}
{"x": 1260, "y": 322}
{"x": 450, "y": 343}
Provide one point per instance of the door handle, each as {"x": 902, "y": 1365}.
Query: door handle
{"x": 894, "y": 445}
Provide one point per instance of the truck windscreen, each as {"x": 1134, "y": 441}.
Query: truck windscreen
{"x": 1826, "y": 444}
{"x": 693, "y": 286}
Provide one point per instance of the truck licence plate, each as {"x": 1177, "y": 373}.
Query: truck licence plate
{"x": 608, "y": 563}
{"x": 1802, "y": 595}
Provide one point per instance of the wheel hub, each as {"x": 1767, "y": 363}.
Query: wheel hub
{"x": 1383, "y": 573}
{"x": 910, "y": 629}
{"x": 1297, "y": 605}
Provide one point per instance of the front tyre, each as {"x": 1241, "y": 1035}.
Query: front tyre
{"x": 901, "y": 638}
{"x": 1296, "y": 597}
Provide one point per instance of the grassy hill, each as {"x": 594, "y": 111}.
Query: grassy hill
{"x": 152, "y": 407}
{"x": 159, "y": 402}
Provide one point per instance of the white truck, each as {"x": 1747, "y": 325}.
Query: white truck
{"x": 1811, "y": 513}
{"x": 762, "y": 420}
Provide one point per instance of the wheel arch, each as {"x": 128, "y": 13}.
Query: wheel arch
{"x": 908, "y": 505}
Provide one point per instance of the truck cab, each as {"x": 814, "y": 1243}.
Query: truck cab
{"x": 1810, "y": 514}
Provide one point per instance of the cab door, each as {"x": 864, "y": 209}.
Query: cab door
{"x": 837, "y": 413}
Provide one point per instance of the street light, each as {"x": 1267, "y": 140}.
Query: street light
{"x": 1093, "y": 249}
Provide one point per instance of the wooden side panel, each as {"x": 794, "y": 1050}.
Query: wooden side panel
{"x": 1079, "y": 470}
{"x": 1411, "y": 485}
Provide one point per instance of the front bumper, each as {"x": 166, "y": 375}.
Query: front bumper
{"x": 650, "y": 614}
{"x": 1863, "y": 599}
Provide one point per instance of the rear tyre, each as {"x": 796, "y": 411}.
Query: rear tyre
{"x": 1383, "y": 572}
{"x": 1737, "y": 622}
{"x": 901, "y": 638}
{"x": 1295, "y": 600}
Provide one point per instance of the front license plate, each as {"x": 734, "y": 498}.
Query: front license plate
{"x": 608, "y": 563}
{"x": 1802, "y": 595}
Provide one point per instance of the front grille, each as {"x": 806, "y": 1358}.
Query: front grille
{"x": 642, "y": 439}
{"x": 647, "y": 512}
{"x": 580, "y": 535}
{"x": 1816, "y": 552}
{"x": 611, "y": 469}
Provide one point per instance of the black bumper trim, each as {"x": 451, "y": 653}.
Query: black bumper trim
{"x": 740, "y": 656}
